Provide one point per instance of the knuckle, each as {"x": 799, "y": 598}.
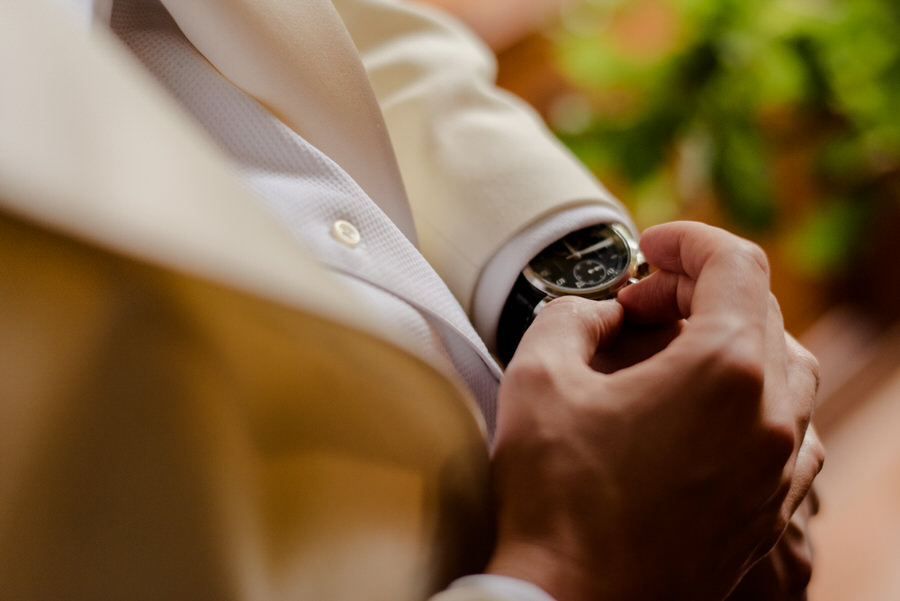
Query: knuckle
{"x": 567, "y": 304}
{"x": 770, "y": 524}
{"x": 778, "y": 442}
{"x": 807, "y": 362}
{"x": 817, "y": 453}
{"x": 529, "y": 371}
{"x": 775, "y": 307}
{"x": 737, "y": 360}
{"x": 731, "y": 363}
{"x": 753, "y": 254}
{"x": 810, "y": 363}
{"x": 779, "y": 525}
{"x": 537, "y": 373}
{"x": 800, "y": 575}
{"x": 573, "y": 309}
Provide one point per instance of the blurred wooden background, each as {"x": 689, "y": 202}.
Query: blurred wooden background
{"x": 851, "y": 325}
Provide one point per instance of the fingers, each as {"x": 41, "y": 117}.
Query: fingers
{"x": 792, "y": 382}
{"x": 730, "y": 275}
{"x": 783, "y": 404}
{"x": 803, "y": 376}
{"x": 810, "y": 459}
{"x": 797, "y": 491}
{"x": 568, "y": 330}
{"x": 650, "y": 301}
{"x": 784, "y": 573}
{"x": 721, "y": 284}
{"x": 635, "y": 344}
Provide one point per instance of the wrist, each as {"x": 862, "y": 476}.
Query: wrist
{"x": 594, "y": 262}
{"x": 499, "y": 275}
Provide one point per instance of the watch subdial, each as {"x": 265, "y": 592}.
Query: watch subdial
{"x": 589, "y": 272}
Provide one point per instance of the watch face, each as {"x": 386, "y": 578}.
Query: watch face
{"x": 584, "y": 262}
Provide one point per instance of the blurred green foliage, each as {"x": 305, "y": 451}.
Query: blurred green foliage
{"x": 678, "y": 99}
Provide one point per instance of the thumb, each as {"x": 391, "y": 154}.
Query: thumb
{"x": 570, "y": 329}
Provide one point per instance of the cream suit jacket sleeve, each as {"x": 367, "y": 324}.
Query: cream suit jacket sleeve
{"x": 182, "y": 415}
{"x": 479, "y": 165}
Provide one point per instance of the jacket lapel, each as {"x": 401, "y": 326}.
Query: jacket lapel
{"x": 297, "y": 59}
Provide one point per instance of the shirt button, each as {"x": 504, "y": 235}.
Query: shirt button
{"x": 345, "y": 233}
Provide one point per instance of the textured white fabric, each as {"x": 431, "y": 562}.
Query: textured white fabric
{"x": 297, "y": 59}
{"x": 88, "y": 12}
{"x": 490, "y": 587}
{"x": 82, "y": 10}
{"x": 309, "y": 192}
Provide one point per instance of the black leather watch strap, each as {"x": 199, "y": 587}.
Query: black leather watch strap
{"x": 516, "y": 316}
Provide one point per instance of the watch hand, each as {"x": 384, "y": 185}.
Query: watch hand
{"x": 571, "y": 250}
{"x": 589, "y": 249}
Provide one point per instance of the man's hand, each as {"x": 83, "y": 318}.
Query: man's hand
{"x": 783, "y": 574}
{"x": 669, "y": 477}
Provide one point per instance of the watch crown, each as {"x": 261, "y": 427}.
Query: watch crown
{"x": 642, "y": 269}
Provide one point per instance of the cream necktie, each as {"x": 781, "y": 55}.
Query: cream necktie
{"x": 297, "y": 59}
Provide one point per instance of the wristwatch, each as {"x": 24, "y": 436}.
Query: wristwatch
{"x": 594, "y": 262}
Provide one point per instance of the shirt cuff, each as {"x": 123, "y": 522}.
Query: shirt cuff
{"x": 492, "y": 587}
{"x": 498, "y": 277}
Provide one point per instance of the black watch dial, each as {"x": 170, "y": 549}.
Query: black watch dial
{"x": 585, "y": 262}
